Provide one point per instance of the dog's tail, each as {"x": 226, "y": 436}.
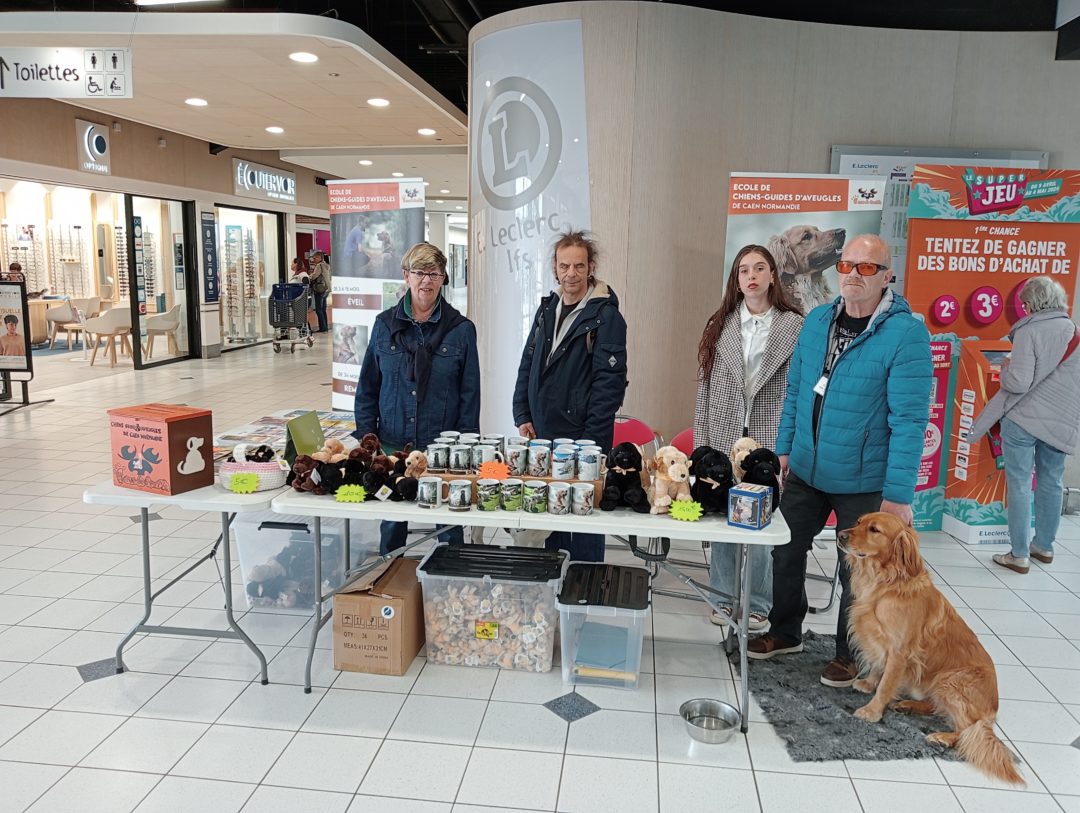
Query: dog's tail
{"x": 980, "y": 746}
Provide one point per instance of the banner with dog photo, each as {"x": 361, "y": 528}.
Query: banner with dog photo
{"x": 372, "y": 225}
{"x": 804, "y": 221}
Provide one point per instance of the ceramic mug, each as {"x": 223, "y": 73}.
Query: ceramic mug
{"x": 534, "y": 498}
{"x": 488, "y": 495}
{"x": 562, "y": 442}
{"x": 429, "y": 492}
{"x": 517, "y": 459}
{"x": 540, "y": 442}
{"x": 438, "y": 456}
{"x": 460, "y": 458}
{"x": 563, "y": 464}
{"x": 558, "y": 498}
{"x": 581, "y": 444}
{"x": 460, "y": 498}
{"x": 516, "y": 440}
{"x": 588, "y": 464}
{"x": 450, "y": 435}
{"x": 582, "y": 498}
{"x": 485, "y": 454}
{"x": 464, "y": 436}
{"x": 496, "y": 440}
{"x": 511, "y": 494}
{"x": 539, "y": 461}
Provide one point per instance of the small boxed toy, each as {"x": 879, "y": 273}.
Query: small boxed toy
{"x": 749, "y": 506}
{"x": 162, "y": 448}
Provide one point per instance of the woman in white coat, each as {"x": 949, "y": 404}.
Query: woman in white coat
{"x": 743, "y": 360}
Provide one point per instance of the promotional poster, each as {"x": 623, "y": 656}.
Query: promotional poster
{"x": 14, "y": 329}
{"x": 372, "y": 225}
{"x": 804, "y": 221}
{"x": 977, "y": 234}
{"x": 929, "y": 504}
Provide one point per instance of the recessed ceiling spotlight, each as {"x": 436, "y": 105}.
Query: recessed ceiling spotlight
{"x": 398, "y": 174}
{"x": 364, "y": 162}
{"x": 275, "y": 130}
{"x": 444, "y": 191}
{"x": 426, "y": 131}
{"x": 439, "y": 201}
{"x": 459, "y": 207}
{"x": 333, "y": 75}
{"x": 427, "y": 183}
{"x": 195, "y": 101}
{"x": 378, "y": 102}
{"x": 303, "y": 56}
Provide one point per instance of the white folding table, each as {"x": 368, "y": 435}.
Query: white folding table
{"x": 621, "y": 523}
{"x": 211, "y": 499}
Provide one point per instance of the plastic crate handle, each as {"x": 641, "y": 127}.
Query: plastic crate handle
{"x": 285, "y": 526}
{"x": 665, "y": 548}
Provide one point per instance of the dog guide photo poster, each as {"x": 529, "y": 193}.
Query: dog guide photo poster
{"x": 804, "y": 221}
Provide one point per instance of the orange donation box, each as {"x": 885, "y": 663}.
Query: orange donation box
{"x": 975, "y": 492}
{"x": 162, "y": 448}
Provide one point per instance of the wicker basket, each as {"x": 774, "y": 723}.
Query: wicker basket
{"x": 271, "y": 475}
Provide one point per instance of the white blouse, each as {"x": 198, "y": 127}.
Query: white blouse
{"x": 755, "y": 335}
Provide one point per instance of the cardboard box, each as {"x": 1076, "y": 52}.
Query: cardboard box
{"x": 749, "y": 506}
{"x": 162, "y": 448}
{"x": 379, "y": 621}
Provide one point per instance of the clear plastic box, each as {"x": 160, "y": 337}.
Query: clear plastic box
{"x": 277, "y": 556}
{"x": 491, "y": 606}
{"x": 603, "y": 611}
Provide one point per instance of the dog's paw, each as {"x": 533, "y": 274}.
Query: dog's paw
{"x": 663, "y": 501}
{"x": 864, "y": 685}
{"x": 945, "y": 738}
{"x": 868, "y": 713}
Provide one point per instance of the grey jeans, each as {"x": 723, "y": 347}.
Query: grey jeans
{"x": 722, "y": 575}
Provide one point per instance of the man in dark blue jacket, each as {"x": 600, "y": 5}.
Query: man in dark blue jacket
{"x": 421, "y": 372}
{"x": 572, "y": 376}
{"x": 851, "y": 431}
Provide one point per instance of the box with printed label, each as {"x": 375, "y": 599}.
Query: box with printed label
{"x": 750, "y": 506}
{"x": 379, "y": 621}
{"x": 162, "y": 448}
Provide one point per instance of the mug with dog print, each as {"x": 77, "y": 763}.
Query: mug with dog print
{"x": 558, "y": 498}
{"x": 535, "y": 497}
{"x": 460, "y": 458}
{"x": 517, "y": 459}
{"x": 539, "y": 461}
{"x": 438, "y": 455}
{"x": 488, "y": 495}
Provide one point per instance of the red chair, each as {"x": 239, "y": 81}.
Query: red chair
{"x": 633, "y": 430}
{"x": 684, "y": 441}
{"x": 824, "y": 540}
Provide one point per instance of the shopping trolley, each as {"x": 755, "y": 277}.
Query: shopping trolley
{"x": 289, "y": 305}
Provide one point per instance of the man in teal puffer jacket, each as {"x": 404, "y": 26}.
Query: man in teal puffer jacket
{"x": 851, "y": 433}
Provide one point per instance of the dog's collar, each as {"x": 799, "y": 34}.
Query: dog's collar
{"x": 621, "y": 470}
{"x": 710, "y": 481}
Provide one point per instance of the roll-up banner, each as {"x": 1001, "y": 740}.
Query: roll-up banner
{"x": 804, "y": 221}
{"x": 372, "y": 225}
{"x": 529, "y": 181}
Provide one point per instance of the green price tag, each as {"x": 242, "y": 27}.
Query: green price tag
{"x": 246, "y": 483}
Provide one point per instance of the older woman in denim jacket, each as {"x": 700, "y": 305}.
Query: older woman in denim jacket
{"x": 421, "y": 372}
{"x": 1038, "y": 407}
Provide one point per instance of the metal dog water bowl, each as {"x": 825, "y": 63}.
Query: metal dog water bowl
{"x": 710, "y": 721}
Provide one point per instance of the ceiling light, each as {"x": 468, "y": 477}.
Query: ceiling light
{"x": 440, "y": 201}
{"x": 427, "y": 183}
{"x": 275, "y": 130}
{"x": 378, "y": 102}
{"x": 398, "y": 174}
{"x": 195, "y": 101}
{"x": 303, "y": 56}
{"x": 459, "y": 207}
{"x": 444, "y": 191}
{"x": 426, "y": 131}
{"x": 364, "y": 162}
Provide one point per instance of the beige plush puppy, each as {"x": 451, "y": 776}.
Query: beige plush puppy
{"x": 671, "y": 479}
{"x": 742, "y": 447}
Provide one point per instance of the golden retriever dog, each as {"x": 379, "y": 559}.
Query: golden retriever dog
{"x": 802, "y": 254}
{"x": 913, "y": 643}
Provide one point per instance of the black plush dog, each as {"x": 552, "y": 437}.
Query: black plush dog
{"x": 762, "y": 468}
{"x": 622, "y": 484}
{"x": 712, "y": 479}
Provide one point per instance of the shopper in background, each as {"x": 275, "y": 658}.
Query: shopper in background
{"x": 851, "y": 431}
{"x": 421, "y": 372}
{"x": 298, "y": 271}
{"x": 320, "y": 286}
{"x": 1038, "y": 406}
{"x": 572, "y": 376}
{"x": 743, "y": 359}
{"x": 13, "y": 274}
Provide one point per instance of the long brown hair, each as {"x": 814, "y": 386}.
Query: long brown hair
{"x": 733, "y": 297}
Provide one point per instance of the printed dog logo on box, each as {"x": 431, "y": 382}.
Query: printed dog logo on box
{"x": 140, "y": 462}
{"x": 193, "y": 463}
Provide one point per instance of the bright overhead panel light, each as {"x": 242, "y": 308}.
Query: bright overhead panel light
{"x": 378, "y": 102}
{"x": 426, "y": 131}
{"x": 195, "y": 101}
{"x": 364, "y": 162}
{"x": 444, "y": 191}
{"x": 440, "y": 201}
{"x": 303, "y": 56}
{"x": 459, "y": 207}
{"x": 398, "y": 174}
{"x": 275, "y": 130}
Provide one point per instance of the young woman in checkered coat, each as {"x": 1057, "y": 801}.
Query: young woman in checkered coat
{"x": 743, "y": 360}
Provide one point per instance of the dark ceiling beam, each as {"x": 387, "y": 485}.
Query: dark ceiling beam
{"x": 1068, "y": 41}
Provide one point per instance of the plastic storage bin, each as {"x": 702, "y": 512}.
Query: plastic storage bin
{"x": 277, "y": 556}
{"x": 603, "y": 610}
{"x": 491, "y": 606}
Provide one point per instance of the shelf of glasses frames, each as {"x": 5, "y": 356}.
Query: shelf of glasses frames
{"x": 67, "y": 256}
{"x": 20, "y": 244}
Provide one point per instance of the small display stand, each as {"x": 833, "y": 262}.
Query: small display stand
{"x": 603, "y": 610}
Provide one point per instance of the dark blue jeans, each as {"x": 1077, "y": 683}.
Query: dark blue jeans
{"x": 393, "y": 535}
{"x": 582, "y": 547}
{"x": 320, "y": 310}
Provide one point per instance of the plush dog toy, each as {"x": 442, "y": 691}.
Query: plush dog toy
{"x": 742, "y": 447}
{"x": 378, "y": 475}
{"x": 416, "y": 464}
{"x": 712, "y": 479}
{"x": 626, "y": 482}
{"x": 763, "y": 469}
{"x": 333, "y": 451}
{"x": 671, "y": 479}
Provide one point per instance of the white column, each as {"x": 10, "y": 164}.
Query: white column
{"x": 436, "y": 231}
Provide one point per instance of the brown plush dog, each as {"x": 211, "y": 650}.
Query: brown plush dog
{"x": 915, "y": 643}
{"x": 739, "y": 451}
{"x": 671, "y": 479}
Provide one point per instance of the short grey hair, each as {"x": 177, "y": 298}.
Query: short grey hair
{"x": 1043, "y": 294}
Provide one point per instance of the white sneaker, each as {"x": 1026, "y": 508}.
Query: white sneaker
{"x": 721, "y": 619}
{"x": 759, "y": 621}
{"x": 1020, "y": 565}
